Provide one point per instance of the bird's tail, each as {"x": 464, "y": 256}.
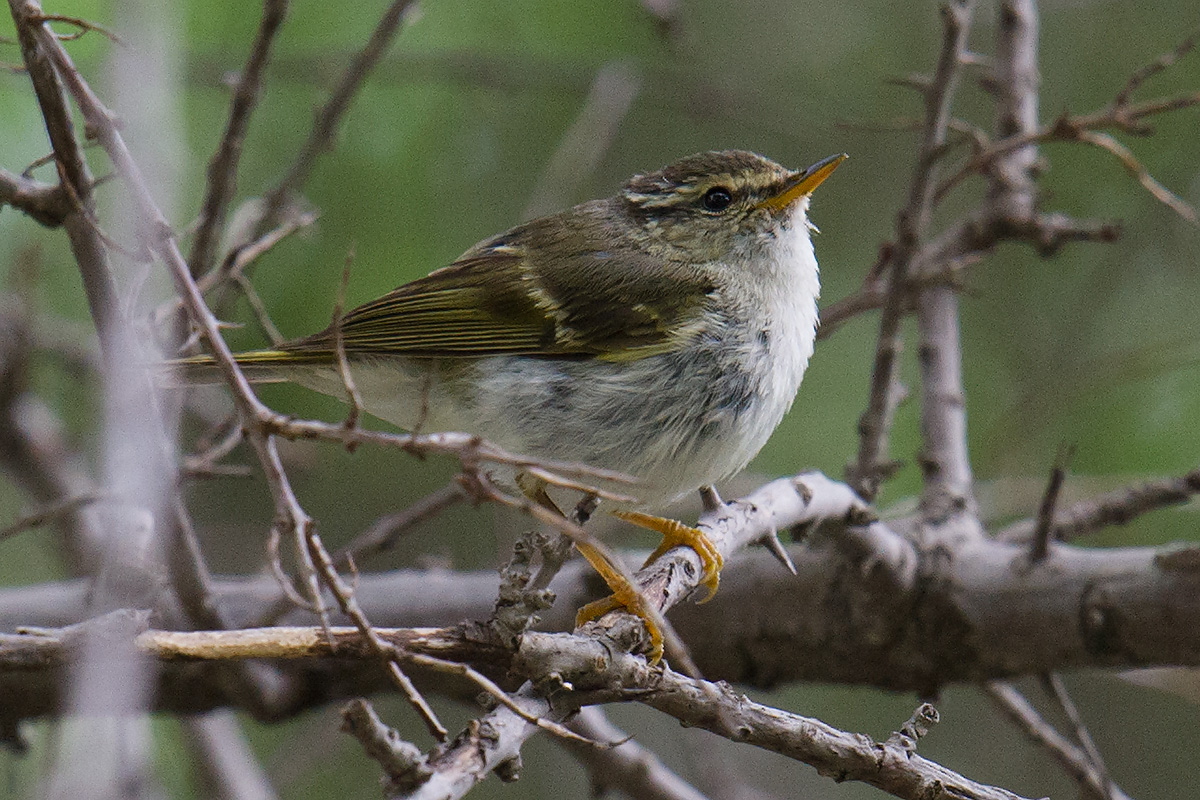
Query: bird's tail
{"x": 259, "y": 366}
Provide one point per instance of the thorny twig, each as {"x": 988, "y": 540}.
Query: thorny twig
{"x": 717, "y": 708}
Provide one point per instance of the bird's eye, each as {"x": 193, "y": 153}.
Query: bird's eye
{"x": 717, "y": 198}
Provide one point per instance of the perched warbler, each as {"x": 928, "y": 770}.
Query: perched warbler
{"x": 661, "y": 333}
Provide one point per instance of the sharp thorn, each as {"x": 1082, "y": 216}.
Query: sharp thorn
{"x": 776, "y": 548}
{"x": 709, "y": 499}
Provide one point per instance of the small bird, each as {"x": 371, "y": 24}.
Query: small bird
{"x": 661, "y": 333}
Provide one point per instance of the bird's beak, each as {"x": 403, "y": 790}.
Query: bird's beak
{"x": 803, "y": 183}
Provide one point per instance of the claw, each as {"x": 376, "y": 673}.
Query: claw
{"x": 676, "y": 534}
{"x": 631, "y": 600}
{"x": 624, "y": 596}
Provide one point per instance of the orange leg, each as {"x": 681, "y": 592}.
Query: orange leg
{"x": 624, "y": 596}
{"x": 676, "y": 534}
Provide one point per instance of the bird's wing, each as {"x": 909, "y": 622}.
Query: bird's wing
{"x": 506, "y": 297}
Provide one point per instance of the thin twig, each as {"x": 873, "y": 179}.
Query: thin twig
{"x": 239, "y": 259}
{"x": 1134, "y": 167}
{"x": 1147, "y": 72}
{"x": 223, "y": 757}
{"x": 329, "y": 117}
{"x": 1058, "y": 691}
{"x": 222, "y": 170}
{"x": 38, "y": 44}
{"x": 385, "y": 531}
{"x": 403, "y": 763}
{"x": 379, "y": 537}
{"x": 1040, "y": 546}
{"x": 584, "y": 143}
{"x": 83, "y": 25}
{"x": 339, "y": 346}
{"x": 503, "y": 698}
{"x": 1120, "y": 114}
{"x": 1118, "y": 507}
{"x": 49, "y": 514}
{"x": 349, "y": 604}
{"x": 43, "y": 202}
{"x": 207, "y": 462}
{"x": 1070, "y": 757}
{"x": 258, "y": 308}
{"x": 630, "y": 768}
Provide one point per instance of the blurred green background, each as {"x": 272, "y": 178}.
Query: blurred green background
{"x": 449, "y": 142}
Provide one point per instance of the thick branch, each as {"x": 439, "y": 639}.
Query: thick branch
{"x": 993, "y": 615}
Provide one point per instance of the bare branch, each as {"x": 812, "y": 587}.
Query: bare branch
{"x": 871, "y": 465}
{"x": 1154, "y": 68}
{"x": 1120, "y": 114}
{"x": 384, "y": 650}
{"x": 878, "y": 568}
{"x": 1135, "y": 168}
{"x": 584, "y": 143}
{"x": 1114, "y": 508}
{"x": 1070, "y": 757}
{"x": 83, "y": 25}
{"x": 259, "y": 309}
{"x": 44, "y": 202}
{"x": 945, "y": 462}
{"x": 46, "y": 515}
{"x": 343, "y": 363}
{"x": 403, "y": 763}
{"x": 1045, "y": 518}
{"x": 224, "y": 759}
{"x": 629, "y": 767}
{"x": 386, "y": 531}
{"x": 893, "y": 768}
{"x": 1058, "y": 691}
{"x": 222, "y": 170}
{"x": 329, "y": 118}
{"x": 37, "y": 48}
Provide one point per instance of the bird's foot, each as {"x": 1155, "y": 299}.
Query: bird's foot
{"x": 676, "y": 534}
{"x": 625, "y": 595}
